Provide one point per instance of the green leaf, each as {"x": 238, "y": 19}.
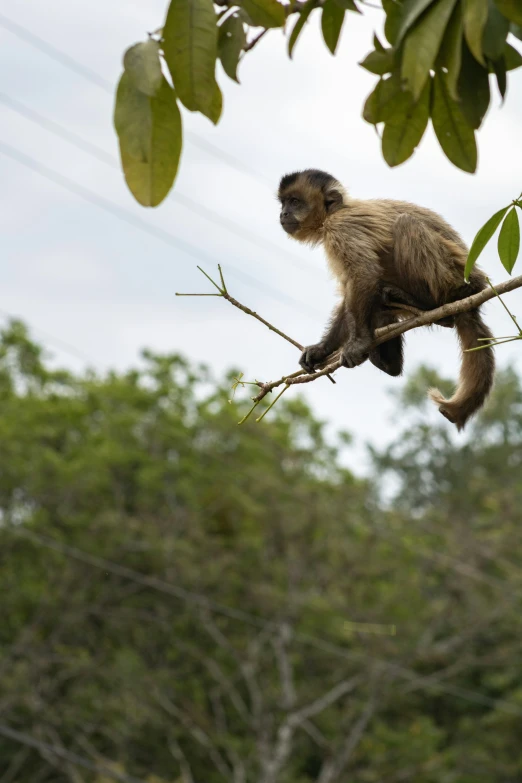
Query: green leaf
{"x": 393, "y": 11}
{"x": 377, "y": 45}
{"x": 499, "y": 67}
{"x": 301, "y": 21}
{"x": 473, "y": 88}
{"x": 347, "y": 5}
{"x": 332, "y": 20}
{"x": 512, "y": 58}
{"x": 142, "y": 63}
{"x": 190, "y": 48}
{"x": 509, "y": 240}
{"x": 516, "y": 29}
{"x": 379, "y": 62}
{"x": 405, "y": 126}
{"x": 482, "y": 238}
{"x": 265, "y": 13}
{"x": 377, "y": 106}
{"x": 423, "y": 43}
{"x": 231, "y": 42}
{"x": 411, "y": 10}
{"x": 455, "y": 136}
{"x": 150, "y": 136}
{"x": 511, "y": 9}
{"x": 450, "y": 55}
{"x": 216, "y": 106}
{"x": 495, "y": 33}
{"x": 475, "y": 14}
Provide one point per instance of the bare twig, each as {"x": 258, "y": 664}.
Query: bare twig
{"x": 255, "y": 40}
{"x": 225, "y": 295}
{"x": 506, "y": 308}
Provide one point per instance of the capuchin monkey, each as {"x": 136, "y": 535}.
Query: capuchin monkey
{"x": 382, "y": 252}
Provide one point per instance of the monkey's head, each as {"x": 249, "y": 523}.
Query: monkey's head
{"x": 307, "y": 199}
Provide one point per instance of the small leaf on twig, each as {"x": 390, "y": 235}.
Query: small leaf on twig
{"x": 482, "y": 238}
{"x": 331, "y": 23}
{"x": 509, "y": 240}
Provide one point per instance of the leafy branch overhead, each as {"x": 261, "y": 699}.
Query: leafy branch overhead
{"x": 436, "y": 63}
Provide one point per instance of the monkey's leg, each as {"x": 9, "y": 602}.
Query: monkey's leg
{"x": 389, "y": 356}
{"x": 393, "y": 296}
{"x": 362, "y": 299}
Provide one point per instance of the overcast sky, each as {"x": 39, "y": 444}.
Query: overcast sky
{"x": 76, "y": 272}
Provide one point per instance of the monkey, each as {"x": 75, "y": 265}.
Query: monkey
{"x": 382, "y": 251}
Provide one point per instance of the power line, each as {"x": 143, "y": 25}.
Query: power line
{"x": 71, "y": 349}
{"x": 421, "y": 682}
{"x": 79, "y": 68}
{"x": 110, "y": 160}
{"x": 137, "y": 222}
{"x": 67, "y": 755}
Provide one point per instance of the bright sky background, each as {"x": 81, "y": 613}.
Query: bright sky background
{"x": 106, "y": 288}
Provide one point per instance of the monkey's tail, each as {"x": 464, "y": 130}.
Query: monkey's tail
{"x": 476, "y": 373}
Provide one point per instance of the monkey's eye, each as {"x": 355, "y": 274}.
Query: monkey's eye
{"x": 294, "y": 202}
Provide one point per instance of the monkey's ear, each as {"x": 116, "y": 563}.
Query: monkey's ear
{"x": 333, "y": 200}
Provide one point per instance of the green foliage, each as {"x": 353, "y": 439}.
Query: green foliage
{"x": 455, "y": 136}
{"x": 332, "y": 19}
{"x": 509, "y": 240}
{"x": 509, "y": 245}
{"x": 189, "y": 42}
{"x": 143, "y": 67}
{"x": 422, "y": 45}
{"x": 176, "y": 590}
{"x": 231, "y": 42}
{"x": 300, "y": 23}
{"x": 264, "y": 13}
{"x": 406, "y": 125}
{"x": 454, "y": 44}
{"x": 149, "y": 134}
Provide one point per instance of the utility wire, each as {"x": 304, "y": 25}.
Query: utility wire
{"x": 417, "y": 682}
{"x": 110, "y": 160}
{"x": 67, "y": 347}
{"x": 143, "y": 225}
{"x": 87, "y": 73}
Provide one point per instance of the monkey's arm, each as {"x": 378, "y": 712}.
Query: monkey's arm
{"x": 362, "y": 297}
{"x": 334, "y": 336}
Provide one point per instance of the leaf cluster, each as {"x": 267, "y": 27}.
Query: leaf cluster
{"x": 437, "y": 66}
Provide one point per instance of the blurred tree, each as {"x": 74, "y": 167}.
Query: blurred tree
{"x": 185, "y": 600}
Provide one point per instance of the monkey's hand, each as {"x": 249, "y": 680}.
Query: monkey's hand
{"x": 313, "y": 356}
{"x": 354, "y": 353}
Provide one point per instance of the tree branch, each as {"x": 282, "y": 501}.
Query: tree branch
{"x": 382, "y": 335}
{"x": 223, "y": 292}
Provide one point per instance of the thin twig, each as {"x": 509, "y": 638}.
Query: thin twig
{"x": 506, "y": 308}
{"x": 225, "y": 295}
{"x": 255, "y": 40}
{"x": 273, "y": 402}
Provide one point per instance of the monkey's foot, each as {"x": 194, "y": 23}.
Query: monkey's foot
{"x": 352, "y": 356}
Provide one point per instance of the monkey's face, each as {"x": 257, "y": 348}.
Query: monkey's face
{"x": 294, "y": 211}
{"x": 307, "y": 198}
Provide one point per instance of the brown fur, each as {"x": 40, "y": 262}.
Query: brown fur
{"x": 381, "y": 244}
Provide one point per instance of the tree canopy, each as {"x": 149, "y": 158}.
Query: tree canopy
{"x": 186, "y": 601}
